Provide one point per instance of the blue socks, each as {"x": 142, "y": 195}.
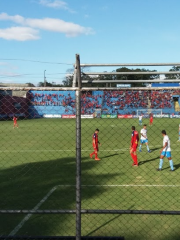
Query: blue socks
{"x": 171, "y": 164}
{"x": 141, "y": 147}
{"x": 160, "y": 163}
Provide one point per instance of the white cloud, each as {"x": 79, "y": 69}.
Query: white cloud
{"x": 16, "y": 18}
{"x": 57, "y": 25}
{"x": 3, "y": 63}
{"x": 19, "y": 33}
{"x": 56, "y": 4}
{"x": 50, "y": 24}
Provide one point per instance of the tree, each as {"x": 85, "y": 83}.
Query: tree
{"x": 40, "y": 84}
{"x": 121, "y": 77}
{"x": 173, "y": 76}
{"x": 48, "y": 84}
{"x": 136, "y": 76}
{"x": 67, "y": 82}
{"x": 30, "y": 85}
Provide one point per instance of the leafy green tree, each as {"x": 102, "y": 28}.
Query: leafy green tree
{"x": 136, "y": 76}
{"x": 40, "y": 84}
{"x": 48, "y": 84}
{"x": 67, "y": 82}
{"x": 121, "y": 77}
{"x": 173, "y": 76}
{"x": 30, "y": 84}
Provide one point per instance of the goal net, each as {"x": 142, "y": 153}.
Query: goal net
{"x": 146, "y": 112}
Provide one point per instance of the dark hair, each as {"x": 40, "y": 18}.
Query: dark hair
{"x": 133, "y": 127}
{"x": 145, "y": 125}
{"x": 97, "y": 129}
{"x": 163, "y": 132}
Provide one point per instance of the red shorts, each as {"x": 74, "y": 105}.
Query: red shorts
{"x": 134, "y": 147}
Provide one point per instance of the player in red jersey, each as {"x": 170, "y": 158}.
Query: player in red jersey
{"x": 95, "y": 143}
{"x": 151, "y": 120}
{"x": 15, "y": 122}
{"x": 134, "y": 145}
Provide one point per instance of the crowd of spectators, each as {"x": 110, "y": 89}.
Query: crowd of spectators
{"x": 161, "y": 99}
{"x": 113, "y": 101}
{"x": 90, "y": 102}
{"x": 41, "y": 99}
{"x": 110, "y": 102}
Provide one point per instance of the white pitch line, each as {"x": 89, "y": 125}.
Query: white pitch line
{"x": 26, "y": 218}
{"x": 19, "y": 226}
{"x": 123, "y": 185}
{"x": 131, "y": 185}
{"x": 73, "y": 150}
{"x": 110, "y": 150}
{"x": 83, "y": 150}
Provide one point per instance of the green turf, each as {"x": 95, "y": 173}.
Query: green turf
{"x": 40, "y": 155}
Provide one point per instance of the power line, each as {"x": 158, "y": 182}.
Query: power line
{"x": 26, "y": 60}
{"x": 28, "y": 74}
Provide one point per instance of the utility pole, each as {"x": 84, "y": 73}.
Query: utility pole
{"x": 44, "y": 79}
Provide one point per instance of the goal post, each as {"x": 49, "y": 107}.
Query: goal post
{"x": 148, "y": 111}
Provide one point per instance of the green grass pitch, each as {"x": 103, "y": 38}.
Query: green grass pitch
{"x": 38, "y": 171}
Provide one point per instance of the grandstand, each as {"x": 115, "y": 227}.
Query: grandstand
{"x": 13, "y": 102}
{"x": 62, "y": 102}
{"x": 109, "y": 102}
{"x": 51, "y": 102}
{"x": 122, "y": 102}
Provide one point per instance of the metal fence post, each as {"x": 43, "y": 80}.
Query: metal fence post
{"x": 78, "y": 151}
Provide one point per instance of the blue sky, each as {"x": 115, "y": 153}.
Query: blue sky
{"x": 38, "y": 35}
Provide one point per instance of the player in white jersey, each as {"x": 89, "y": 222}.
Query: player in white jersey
{"x": 144, "y": 138}
{"x": 140, "y": 119}
{"x": 165, "y": 152}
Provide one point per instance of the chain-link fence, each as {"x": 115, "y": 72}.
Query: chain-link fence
{"x": 54, "y": 182}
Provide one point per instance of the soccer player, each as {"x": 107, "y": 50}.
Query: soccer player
{"x": 144, "y": 138}
{"x": 95, "y": 143}
{"x": 134, "y": 145}
{"x": 165, "y": 152}
{"x": 151, "y": 120}
{"x": 140, "y": 119}
{"x": 15, "y": 122}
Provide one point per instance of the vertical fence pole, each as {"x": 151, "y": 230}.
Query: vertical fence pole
{"x": 78, "y": 150}
{"x": 74, "y": 77}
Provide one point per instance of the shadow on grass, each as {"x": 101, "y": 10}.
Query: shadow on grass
{"x": 154, "y": 149}
{"x": 111, "y": 220}
{"x": 176, "y": 166}
{"x": 112, "y": 155}
{"x": 146, "y": 161}
{"x": 24, "y": 186}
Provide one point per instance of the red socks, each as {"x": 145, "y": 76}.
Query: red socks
{"x": 134, "y": 157}
{"x": 135, "y": 160}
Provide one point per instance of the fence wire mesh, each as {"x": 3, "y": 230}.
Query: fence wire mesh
{"x": 38, "y": 164}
